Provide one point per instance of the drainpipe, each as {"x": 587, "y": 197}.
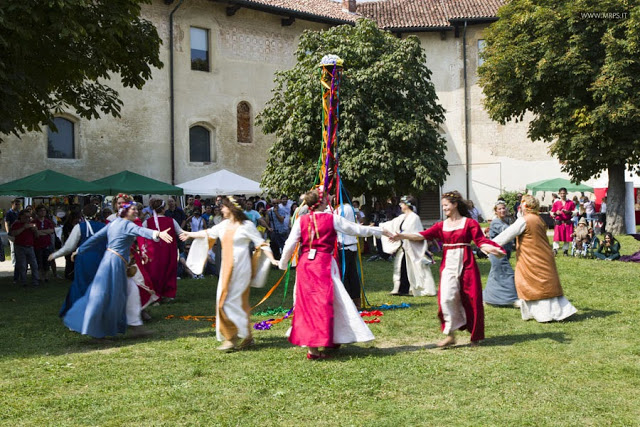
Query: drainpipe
{"x": 466, "y": 114}
{"x": 171, "y": 96}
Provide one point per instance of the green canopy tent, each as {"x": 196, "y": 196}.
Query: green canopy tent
{"x": 49, "y": 183}
{"x": 133, "y": 183}
{"x": 555, "y": 184}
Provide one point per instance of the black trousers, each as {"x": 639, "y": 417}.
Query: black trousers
{"x": 351, "y": 278}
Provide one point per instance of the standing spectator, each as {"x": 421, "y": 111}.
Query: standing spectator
{"x": 24, "y": 233}
{"x": 284, "y": 209}
{"x": 208, "y": 212}
{"x": 197, "y": 223}
{"x": 516, "y": 207}
{"x": 603, "y": 214}
{"x": 188, "y": 210}
{"x": 251, "y": 214}
{"x": 589, "y": 210}
{"x": 197, "y": 202}
{"x": 279, "y": 227}
{"x": 42, "y": 245}
{"x": 9, "y": 218}
{"x": 561, "y": 211}
{"x": 260, "y": 202}
{"x": 175, "y": 212}
{"x": 358, "y": 212}
{"x": 377, "y": 216}
{"x": 216, "y": 218}
{"x": 475, "y": 212}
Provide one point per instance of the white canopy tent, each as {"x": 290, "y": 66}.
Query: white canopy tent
{"x": 221, "y": 183}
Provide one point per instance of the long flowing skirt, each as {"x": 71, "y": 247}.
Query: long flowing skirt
{"x": 501, "y": 287}
{"x": 101, "y": 312}
{"x": 546, "y": 310}
{"x": 86, "y": 266}
{"x": 323, "y": 312}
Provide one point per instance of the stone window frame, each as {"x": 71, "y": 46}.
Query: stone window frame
{"x": 249, "y": 139}
{"x": 213, "y": 148}
{"x": 209, "y": 45}
{"x": 480, "y": 45}
{"x": 75, "y": 121}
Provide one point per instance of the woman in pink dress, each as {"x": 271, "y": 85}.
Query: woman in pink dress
{"x": 460, "y": 292}
{"x": 162, "y": 266}
{"x": 323, "y": 313}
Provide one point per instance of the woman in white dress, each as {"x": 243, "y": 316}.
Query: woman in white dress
{"x": 411, "y": 272}
{"x": 232, "y": 298}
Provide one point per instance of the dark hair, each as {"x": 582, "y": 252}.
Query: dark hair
{"x": 15, "y": 201}
{"x": 237, "y": 213}
{"x": 294, "y": 206}
{"x": 24, "y": 212}
{"x": 283, "y": 196}
{"x": 41, "y": 206}
{"x": 158, "y": 205}
{"x": 613, "y": 239}
{"x": 455, "y": 197}
{"x": 562, "y": 189}
{"x": 89, "y": 211}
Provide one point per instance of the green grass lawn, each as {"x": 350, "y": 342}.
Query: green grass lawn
{"x": 585, "y": 371}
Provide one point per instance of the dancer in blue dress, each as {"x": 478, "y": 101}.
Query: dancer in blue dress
{"x": 101, "y": 312}
{"x": 86, "y": 264}
{"x": 501, "y": 287}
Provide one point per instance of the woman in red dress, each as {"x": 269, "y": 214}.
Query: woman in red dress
{"x": 323, "y": 313}
{"x": 460, "y": 292}
{"x": 162, "y": 266}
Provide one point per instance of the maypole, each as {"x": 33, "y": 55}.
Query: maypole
{"x": 328, "y": 173}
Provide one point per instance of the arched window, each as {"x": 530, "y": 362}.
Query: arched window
{"x": 244, "y": 122}
{"x": 61, "y": 142}
{"x": 199, "y": 144}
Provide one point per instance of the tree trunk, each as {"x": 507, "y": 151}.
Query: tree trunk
{"x": 615, "y": 200}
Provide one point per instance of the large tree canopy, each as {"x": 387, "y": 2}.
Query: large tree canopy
{"x": 389, "y": 141}
{"x": 56, "y": 55}
{"x": 575, "y": 64}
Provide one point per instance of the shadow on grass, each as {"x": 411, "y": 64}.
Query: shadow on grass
{"x": 587, "y": 313}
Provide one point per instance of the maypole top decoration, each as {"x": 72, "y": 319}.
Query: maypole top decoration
{"x": 328, "y": 171}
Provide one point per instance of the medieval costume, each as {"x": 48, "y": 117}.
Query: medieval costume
{"x": 501, "y": 287}
{"x": 101, "y": 311}
{"x": 411, "y": 272}
{"x": 86, "y": 263}
{"x": 323, "y": 313}
{"x": 536, "y": 278}
{"x": 162, "y": 266}
{"x": 563, "y": 228}
{"x": 460, "y": 294}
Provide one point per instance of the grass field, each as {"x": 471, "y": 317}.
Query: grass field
{"x": 585, "y": 371}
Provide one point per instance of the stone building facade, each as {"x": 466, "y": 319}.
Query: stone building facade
{"x": 225, "y": 55}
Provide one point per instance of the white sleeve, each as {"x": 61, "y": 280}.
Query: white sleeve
{"x": 177, "y": 228}
{"x": 253, "y": 234}
{"x": 70, "y": 244}
{"x": 352, "y": 229}
{"x": 214, "y": 232}
{"x": 290, "y": 245}
{"x": 513, "y": 231}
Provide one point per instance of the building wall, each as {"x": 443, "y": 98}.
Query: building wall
{"x": 500, "y": 157}
{"x": 245, "y": 52}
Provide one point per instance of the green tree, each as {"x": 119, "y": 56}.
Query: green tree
{"x": 389, "y": 140}
{"x": 574, "y": 64}
{"x": 60, "y": 54}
